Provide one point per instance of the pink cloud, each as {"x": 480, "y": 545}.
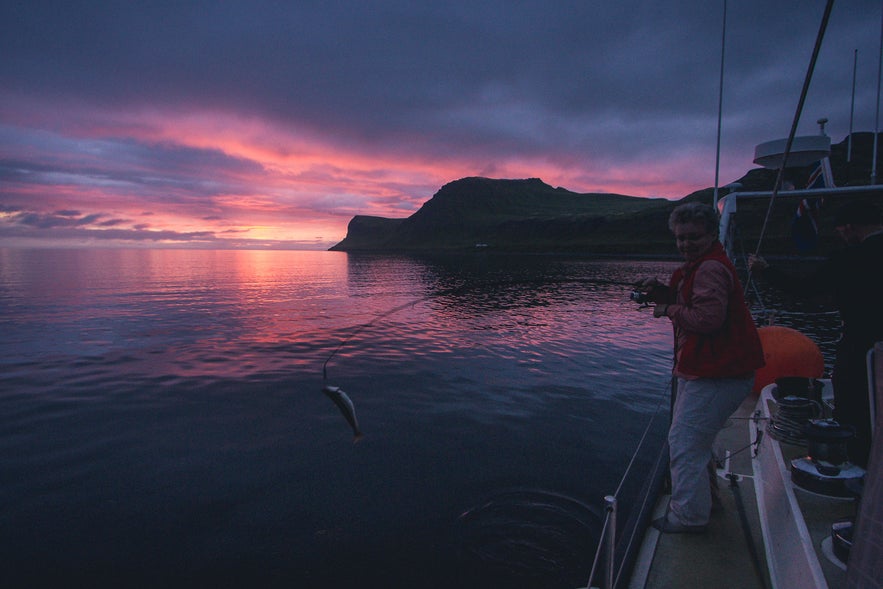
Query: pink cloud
{"x": 218, "y": 173}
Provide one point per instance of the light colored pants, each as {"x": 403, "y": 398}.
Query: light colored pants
{"x": 701, "y": 408}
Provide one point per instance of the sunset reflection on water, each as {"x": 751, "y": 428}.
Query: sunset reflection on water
{"x": 179, "y": 393}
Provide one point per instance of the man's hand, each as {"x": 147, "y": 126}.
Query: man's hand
{"x": 756, "y": 263}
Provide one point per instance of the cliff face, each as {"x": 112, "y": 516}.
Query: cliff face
{"x": 365, "y": 232}
{"x": 529, "y": 215}
{"x": 502, "y": 214}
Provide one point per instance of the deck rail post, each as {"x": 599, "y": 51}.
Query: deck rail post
{"x": 610, "y": 506}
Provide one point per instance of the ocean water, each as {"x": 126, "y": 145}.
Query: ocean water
{"x": 163, "y": 422}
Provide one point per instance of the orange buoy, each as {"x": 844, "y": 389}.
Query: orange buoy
{"x": 787, "y": 352}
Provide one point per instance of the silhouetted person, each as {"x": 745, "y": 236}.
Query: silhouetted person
{"x": 850, "y": 277}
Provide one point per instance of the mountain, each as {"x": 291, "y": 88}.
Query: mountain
{"x": 504, "y": 214}
{"x": 531, "y": 216}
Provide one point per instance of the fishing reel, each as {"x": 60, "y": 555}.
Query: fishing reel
{"x": 642, "y": 298}
{"x": 645, "y": 298}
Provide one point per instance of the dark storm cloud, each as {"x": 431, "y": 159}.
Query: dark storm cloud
{"x": 429, "y": 72}
{"x": 92, "y": 227}
{"x": 169, "y": 172}
{"x": 48, "y": 221}
{"x": 83, "y": 234}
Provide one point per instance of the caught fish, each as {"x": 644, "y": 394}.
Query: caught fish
{"x": 346, "y": 407}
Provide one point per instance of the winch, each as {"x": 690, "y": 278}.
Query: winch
{"x": 790, "y": 420}
{"x": 826, "y": 469}
{"x": 798, "y": 400}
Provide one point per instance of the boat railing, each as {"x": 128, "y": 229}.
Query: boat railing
{"x": 620, "y": 547}
{"x": 728, "y": 204}
{"x": 864, "y": 556}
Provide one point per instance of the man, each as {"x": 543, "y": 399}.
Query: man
{"x": 717, "y": 351}
{"x": 850, "y": 278}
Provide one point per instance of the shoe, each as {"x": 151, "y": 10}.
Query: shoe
{"x": 667, "y": 527}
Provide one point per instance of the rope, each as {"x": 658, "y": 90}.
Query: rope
{"x": 746, "y": 528}
{"x": 788, "y": 423}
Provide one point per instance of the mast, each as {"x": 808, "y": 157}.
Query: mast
{"x": 877, "y": 116}
{"x": 851, "y": 108}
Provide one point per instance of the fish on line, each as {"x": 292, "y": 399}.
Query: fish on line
{"x": 345, "y": 404}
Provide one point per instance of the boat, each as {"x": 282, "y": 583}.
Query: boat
{"x": 771, "y": 531}
{"x": 786, "y": 521}
{"x": 794, "y": 512}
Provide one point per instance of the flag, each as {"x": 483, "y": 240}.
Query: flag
{"x": 821, "y": 175}
{"x": 816, "y": 177}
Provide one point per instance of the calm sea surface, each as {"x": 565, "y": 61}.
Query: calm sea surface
{"x": 163, "y": 421}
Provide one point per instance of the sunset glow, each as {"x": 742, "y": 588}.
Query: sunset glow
{"x": 113, "y": 135}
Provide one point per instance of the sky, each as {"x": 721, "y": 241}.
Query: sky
{"x": 270, "y": 124}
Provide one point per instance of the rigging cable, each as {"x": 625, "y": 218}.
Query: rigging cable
{"x": 622, "y": 480}
{"x": 720, "y": 103}
{"x": 808, "y": 78}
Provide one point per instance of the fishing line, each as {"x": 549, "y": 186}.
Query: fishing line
{"x": 461, "y": 288}
{"x": 364, "y": 326}
{"x": 449, "y": 292}
{"x": 393, "y": 311}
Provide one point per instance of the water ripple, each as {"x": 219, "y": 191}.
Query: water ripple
{"x": 530, "y": 537}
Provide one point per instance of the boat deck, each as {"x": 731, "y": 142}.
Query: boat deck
{"x": 817, "y": 514}
{"x": 731, "y": 552}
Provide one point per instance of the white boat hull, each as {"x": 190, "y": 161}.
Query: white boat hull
{"x": 791, "y": 556}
